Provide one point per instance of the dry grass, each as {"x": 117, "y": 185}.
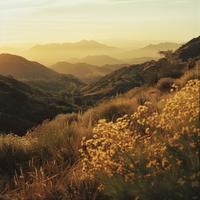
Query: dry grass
{"x": 110, "y": 110}
{"x": 46, "y": 163}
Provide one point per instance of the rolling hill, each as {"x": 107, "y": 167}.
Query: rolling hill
{"x": 85, "y": 72}
{"x": 23, "y": 69}
{"x": 35, "y": 74}
{"x": 99, "y": 60}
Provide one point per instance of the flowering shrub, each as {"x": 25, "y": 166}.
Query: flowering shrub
{"x": 159, "y": 149}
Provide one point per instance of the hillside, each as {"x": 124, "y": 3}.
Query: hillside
{"x": 83, "y": 71}
{"x": 143, "y": 144}
{"x": 189, "y": 50}
{"x": 147, "y": 73}
{"x": 35, "y": 74}
{"x": 22, "y": 107}
{"x": 23, "y": 69}
{"x": 120, "y": 149}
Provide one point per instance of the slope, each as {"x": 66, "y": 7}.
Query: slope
{"x": 22, "y": 107}
{"x": 147, "y": 73}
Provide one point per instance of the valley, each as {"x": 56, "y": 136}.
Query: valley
{"x": 70, "y": 130}
{"x": 99, "y": 100}
{"x": 42, "y": 92}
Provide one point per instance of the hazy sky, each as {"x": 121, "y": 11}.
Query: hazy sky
{"x": 71, "y": 20}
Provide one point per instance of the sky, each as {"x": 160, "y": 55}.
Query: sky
{"x": 43, "y": 21}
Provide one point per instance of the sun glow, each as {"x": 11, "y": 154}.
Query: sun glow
{"x": 57, "y": 21}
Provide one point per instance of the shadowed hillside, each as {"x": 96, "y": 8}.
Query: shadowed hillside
{"x": 40, "y": 93}
{"x": 189, "y": 50}
{"x": 22, "y": 107}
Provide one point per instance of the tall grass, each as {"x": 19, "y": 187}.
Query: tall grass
{"x": 139, "y": 151}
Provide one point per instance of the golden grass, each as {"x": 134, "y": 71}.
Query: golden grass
{"x": 135, "y": 151}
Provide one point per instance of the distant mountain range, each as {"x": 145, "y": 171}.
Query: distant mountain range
{"x": 52, "y": 53}
{"x": 85, "y": 72}
{"x": 83, "y": 45}
{"x": 162, "y": 46}
{"x": 151, "y": 50}
{"x": 90, "y": 52}
{"x": 95, "y": 53}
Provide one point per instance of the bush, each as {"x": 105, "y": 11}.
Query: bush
{"x": 165, "y": 84}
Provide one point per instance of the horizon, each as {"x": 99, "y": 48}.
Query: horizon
{"x": 108, "y": 42}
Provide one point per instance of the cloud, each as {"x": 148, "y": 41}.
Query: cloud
{"x": 20, "y": 4}
{"x": 16, "y": 4}
{"x": 145, "y": 1}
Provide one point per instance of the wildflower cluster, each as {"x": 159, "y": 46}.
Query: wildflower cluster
{"x": 150, "y": 143}
{"x": 106, "y": 144}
